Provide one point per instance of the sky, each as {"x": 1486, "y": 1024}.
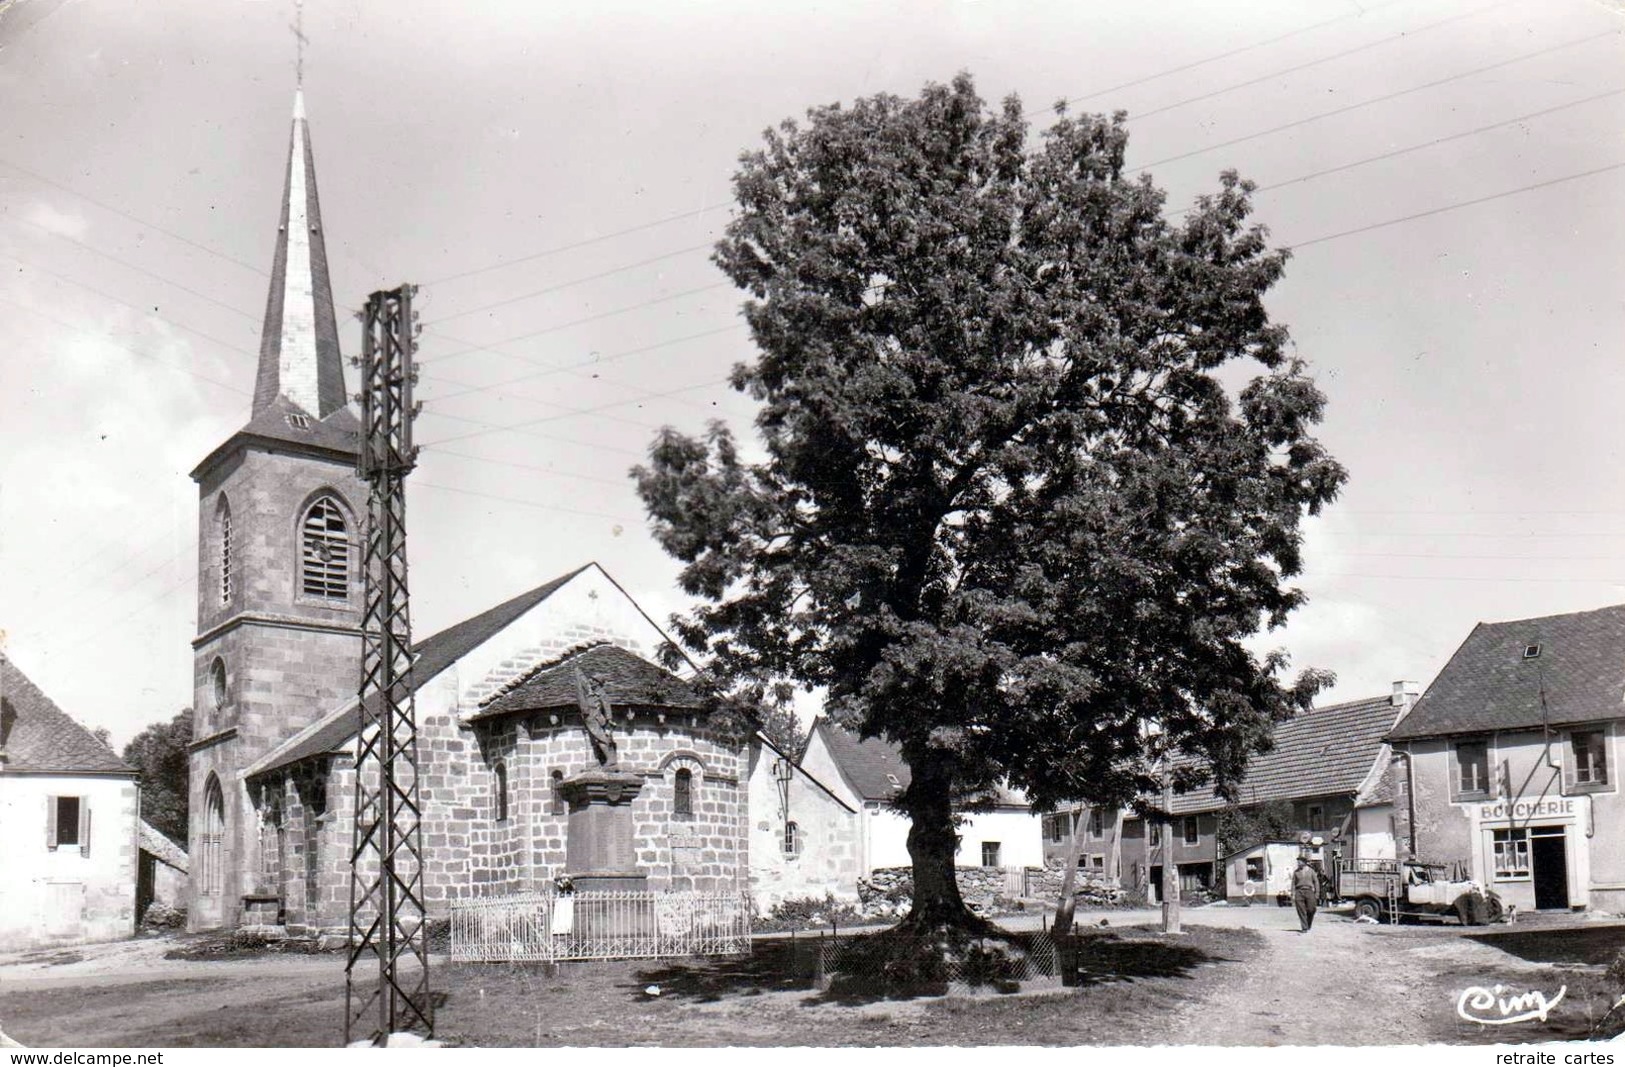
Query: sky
{"x": 1450, "y": 175}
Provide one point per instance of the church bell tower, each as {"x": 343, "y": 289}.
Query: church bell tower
{"x": 280, "y": 510}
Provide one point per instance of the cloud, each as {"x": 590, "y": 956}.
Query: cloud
{"x": 64, "y": 223}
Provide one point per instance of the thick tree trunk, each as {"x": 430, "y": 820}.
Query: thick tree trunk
{"x": 931, "y": 846}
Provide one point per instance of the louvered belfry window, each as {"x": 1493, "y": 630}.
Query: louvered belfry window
{"x": 225, "y": 552}
{"x": 325, "y": 562}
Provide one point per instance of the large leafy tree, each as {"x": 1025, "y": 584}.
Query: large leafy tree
{"x": 1014, "y": 503}
{"x": 159, "y": 753}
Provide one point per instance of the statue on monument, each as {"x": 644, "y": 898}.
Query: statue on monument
{"x": 597, "y": 717}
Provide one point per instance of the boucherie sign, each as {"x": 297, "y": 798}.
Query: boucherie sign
{"x": 1526, "y": 809}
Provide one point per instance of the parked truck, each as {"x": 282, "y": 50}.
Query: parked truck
{"x": 1392, "y": 891}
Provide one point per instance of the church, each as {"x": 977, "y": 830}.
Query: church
{"x": 500, "y": 728}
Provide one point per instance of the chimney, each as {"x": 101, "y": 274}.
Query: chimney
{"x": 1404, "y": 695}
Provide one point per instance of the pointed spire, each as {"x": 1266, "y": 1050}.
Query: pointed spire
{"x": 299, "y": 346}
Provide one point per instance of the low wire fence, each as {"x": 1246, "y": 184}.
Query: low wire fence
{"x": 599, "y": 925}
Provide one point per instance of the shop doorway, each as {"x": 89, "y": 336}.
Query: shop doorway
{"x": 1548, "y": 855}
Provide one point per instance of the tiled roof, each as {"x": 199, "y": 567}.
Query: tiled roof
{"x": 628, "y": 679}
{"x": 1489, "y": 685}
{"x": 874, "y": 767}
{"x": 39, "y": 737}
{"x": 166, "y": 850}
{"x": 1322, "y": 752}
{"x": 339, "y": 433}
{"x": 334, "y": 731}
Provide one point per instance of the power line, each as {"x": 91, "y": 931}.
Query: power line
{"x": 596, "y": 409}
{"x": 595, "y": 361}
{"x": 573, "y": 245}
{"x": 126, "y": 215}
{"x": 492, "y": 346}
{"x": 1466, "y": 533}
{"x": 1225, "y": 55}
{"x": 576, "y": 281}
{"x": 1402, "y": 35}
{"x": 1460, "y": 578}
{"x": 1456, "y": 207}
{"x": 524, "y": 431}
{"x": 125, "y": 303}
{"x": 1448, "y": 555}
{"x": 1374, "y": 100}
{"x": 125, "y": 348}
{"x": 534, "y": 467}
{"x": 1427, "y": 144}
{"x": 526, "y": 503}
{"x": 141, "y": 270}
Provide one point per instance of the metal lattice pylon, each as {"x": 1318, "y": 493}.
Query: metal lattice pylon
{"x": 386, "y": 861}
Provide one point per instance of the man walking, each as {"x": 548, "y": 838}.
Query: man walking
{"x": 1305, "y": 893}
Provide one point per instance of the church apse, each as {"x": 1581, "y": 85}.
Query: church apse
{"x": 536, "y": 802}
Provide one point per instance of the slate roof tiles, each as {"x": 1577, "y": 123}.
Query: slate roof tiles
{"x": 41, "y": 738}
{"x": 1489, "y": 684}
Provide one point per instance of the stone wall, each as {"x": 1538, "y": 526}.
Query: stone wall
{"x": 982, "y": 885}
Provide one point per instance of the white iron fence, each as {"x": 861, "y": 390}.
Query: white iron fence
{"x": 599, "y": 925}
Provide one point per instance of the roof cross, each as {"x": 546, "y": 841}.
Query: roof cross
{"x": 300, "y": 40}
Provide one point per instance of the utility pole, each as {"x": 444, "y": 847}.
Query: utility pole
{"x": 1170, "y": 870}
{"x": 386, "y": 861}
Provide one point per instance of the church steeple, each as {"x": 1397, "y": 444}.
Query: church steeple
{"x": 299, "y": 346}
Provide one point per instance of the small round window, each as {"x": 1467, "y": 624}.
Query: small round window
{"x": 217, "y": 682}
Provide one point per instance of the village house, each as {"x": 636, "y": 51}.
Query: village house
{"x": 1329, "y": 767}
{"x": 865, "y": 774}
{"x": 805, "y": 840}
{"x": 69, "y": 822}
{"x": 1510, "y": 761}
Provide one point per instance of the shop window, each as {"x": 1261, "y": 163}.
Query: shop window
{"x": 1589, "y": 751}
{"x": 990, "y": 853}
{"x": 1193, "y": 830}
{"x": 1472, "y": 768}
{"x": 1511, "y": 854}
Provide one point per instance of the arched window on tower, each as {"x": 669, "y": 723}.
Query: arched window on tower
{"x": 682, "y": 794}
{"x": 792, "y": 840}
{"x": 324, "y": 569}
{"x": 219, "y": 693}
{"x": 214, "y": 834}
{"x": 227, "y": 563}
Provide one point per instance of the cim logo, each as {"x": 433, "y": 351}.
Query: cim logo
{"x": 1498, "y": 1006}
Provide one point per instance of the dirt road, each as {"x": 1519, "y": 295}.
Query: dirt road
{"x": 1345, "y": 983}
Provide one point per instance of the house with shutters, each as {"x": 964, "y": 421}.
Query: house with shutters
{"x": 1328, "y": 772}
{"x": 68, "y": 825}
{"x": 1510, "y": 761}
